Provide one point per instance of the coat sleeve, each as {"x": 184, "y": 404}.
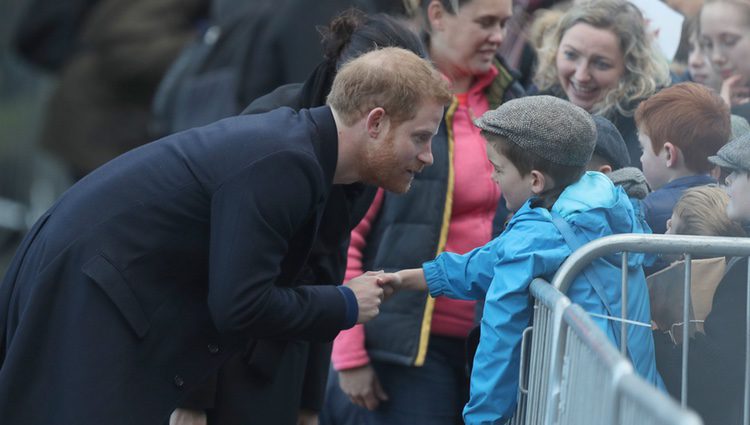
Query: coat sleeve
{"x": 316, "y": 376}
{"x": 254, "y": 215}
{"x": 462, "y": 276}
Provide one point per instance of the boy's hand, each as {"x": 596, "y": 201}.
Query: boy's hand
{"x": 391, "y": 283}
{"x": 410, "y": 279}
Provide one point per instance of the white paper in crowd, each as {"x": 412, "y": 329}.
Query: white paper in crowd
{"x": 664, "y": 22}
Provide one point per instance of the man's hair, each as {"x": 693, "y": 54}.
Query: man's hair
{"x": 525, "y": 161}
{"x": 691, "y": 117}
{"x": 392, "y": 78}
{"x": 703, "y": 211}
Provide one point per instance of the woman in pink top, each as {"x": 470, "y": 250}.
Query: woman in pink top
{"x": 408, "y": 365}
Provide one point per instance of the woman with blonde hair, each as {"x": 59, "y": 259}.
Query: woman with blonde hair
{"x": 601, "y": 58}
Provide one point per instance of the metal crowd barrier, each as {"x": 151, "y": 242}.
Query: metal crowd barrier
{"x": 576, "y": 376}
{"x": 688, "y": 246}
{"x": 571, "y": 360}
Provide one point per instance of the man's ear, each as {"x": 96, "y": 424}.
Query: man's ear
{"x": 538, "y": 182}
{"x": 605, "y": 169}
{"x": 377, "y": 122}
{"x": 673, "y": 154}
{"x": 435, "y": 15}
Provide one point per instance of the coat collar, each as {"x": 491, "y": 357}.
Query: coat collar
{"x": 326, "y": 140}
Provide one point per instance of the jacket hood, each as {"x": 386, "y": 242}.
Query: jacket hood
{"x": 597, "y": 208}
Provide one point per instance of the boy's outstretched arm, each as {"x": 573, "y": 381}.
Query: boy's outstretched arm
{"x": 411, "y": 279}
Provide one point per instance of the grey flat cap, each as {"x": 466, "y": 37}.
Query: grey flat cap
{"x": 632, "y": 181}
{"x": 740, "y": 126}
{"x": 552, "y": 128}
{"x": 735, "y": 155}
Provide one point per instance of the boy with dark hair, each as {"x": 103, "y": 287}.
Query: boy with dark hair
{"x": 679, "y": 128}
{"x": 540, "y": 147}
{"x": 611, "y": 158}
{"x": 610, "y": 151}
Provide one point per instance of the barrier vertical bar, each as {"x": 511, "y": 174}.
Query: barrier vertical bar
{"x": 746, "y": 410}
{"x": 686, "y": 328}
{"x": 624, "y": 306}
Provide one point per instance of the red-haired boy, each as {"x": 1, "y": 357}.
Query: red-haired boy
{"x": 679, "y": 128}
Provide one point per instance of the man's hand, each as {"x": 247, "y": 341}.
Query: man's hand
{"x": 362, "y": 387}
{"x": 188, "y": 417}
{"x": 307, "y": 417}
{"x": 368, "y": 290}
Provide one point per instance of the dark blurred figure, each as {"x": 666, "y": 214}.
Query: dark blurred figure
{"x": 110, "y": 56}
{"x": 245, "y": 52}
{"x": 517, "y": 49}
{"x": 204, "y": 83}
{"x": 289, "y": 47}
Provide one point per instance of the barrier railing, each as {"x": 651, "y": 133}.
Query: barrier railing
{"x": 576, "y": 376}
{"x": 549, "y": 306}
{"x": 689, "y": 246}
{"x": 569, "y": 356}
{"x": 641, "y": 403}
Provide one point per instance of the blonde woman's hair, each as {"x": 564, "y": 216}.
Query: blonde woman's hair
{"x": 646, "y": 70}
{"x": 545, "y": 21}
{"x": 703, "y": 211}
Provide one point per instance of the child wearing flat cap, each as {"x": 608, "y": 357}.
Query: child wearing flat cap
{"x": 540, "y": 147}
{"x": 735, "y": 158}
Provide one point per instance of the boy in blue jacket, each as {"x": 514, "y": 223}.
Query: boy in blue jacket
{"x": 539, "y": 147}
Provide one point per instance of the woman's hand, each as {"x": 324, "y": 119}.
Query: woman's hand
{"x": 188, "y": 417}
{"x": 362, "y": 387}
{"x": 734, "y": 91}
{"x": 307, "y": 417}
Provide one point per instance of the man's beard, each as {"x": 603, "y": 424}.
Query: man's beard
{"x": 381, "y": 167}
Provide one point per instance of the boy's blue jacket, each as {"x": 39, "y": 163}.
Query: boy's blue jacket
{"x": 532, "y": 247}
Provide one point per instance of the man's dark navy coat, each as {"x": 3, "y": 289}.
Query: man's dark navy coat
{"x": 144, "y": 277}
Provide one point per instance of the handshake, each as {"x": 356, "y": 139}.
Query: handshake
{"x": 372, "y": 288}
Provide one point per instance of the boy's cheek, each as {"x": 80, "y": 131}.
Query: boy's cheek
{"x": 739, "y": 202}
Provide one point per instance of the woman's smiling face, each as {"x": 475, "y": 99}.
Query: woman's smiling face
{"x": 589, "y": 63}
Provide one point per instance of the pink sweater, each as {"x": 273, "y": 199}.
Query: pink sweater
{"x": 475, "y": 198}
